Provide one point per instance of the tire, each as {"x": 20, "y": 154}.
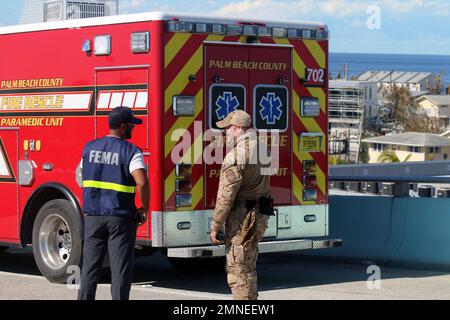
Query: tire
{"x": 3, "y": 249}
{"x": 57, "y": 243}
{"x": 194, "y": 265}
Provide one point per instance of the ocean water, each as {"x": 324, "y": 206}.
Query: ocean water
{"x": 359, "y": 63}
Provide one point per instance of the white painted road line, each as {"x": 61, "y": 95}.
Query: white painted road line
{"x": 186, "y": 293}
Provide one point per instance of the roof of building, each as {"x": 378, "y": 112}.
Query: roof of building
{"x": 418, "y": 94}
{"x": 347, "y": 83}
{"x": 416, "y": 139}
{"x": 394, "y": 76}
{"x": 440, "y": 100}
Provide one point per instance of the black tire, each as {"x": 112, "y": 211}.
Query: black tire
{"x": 3, "y": 249}
{"x": 57, "y": 243}
{"x": 195, "y": 265}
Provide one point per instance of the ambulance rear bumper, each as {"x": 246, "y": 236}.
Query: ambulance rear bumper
{"x": 264, "y": 247}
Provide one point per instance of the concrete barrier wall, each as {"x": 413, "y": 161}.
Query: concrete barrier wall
{"x": 409, "y": 231}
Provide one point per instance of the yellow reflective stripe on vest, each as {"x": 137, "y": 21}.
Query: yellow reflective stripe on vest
{"x": 108, "y": 186}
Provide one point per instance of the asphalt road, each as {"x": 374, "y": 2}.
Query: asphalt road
{"x": 280, "y": 277}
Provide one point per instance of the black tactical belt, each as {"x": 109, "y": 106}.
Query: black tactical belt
{"x": 265, "y": 205}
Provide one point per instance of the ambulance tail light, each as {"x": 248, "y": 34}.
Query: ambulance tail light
{"x": 309, "y": 194}
{"x": 183, "y": 200}
{"x": 183, "y": 185}
{"x": 183, "y": 106}
{"x": 309, "y": 168}
{"x": 183, "y": 170}
{"x": 309, "y": 180}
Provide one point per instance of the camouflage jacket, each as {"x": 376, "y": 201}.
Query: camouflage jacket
{"x": 243, "y": 177}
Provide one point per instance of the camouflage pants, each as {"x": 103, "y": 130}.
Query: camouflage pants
{"x": 243, "y": 233}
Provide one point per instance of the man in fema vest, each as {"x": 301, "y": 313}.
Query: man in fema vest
{"x": 113, "y": 169}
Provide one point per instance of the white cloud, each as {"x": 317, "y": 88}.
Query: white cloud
{"x": 333, "y": 8}
{"x": 266, "y": 8}
{"x": 132, "y": 4}
{"x": 342, "y": 8}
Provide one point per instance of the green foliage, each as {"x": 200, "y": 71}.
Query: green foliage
{"x": 388, "y": 156}
{"x": 391, "y": 156}
{"x": 364, "y": 153}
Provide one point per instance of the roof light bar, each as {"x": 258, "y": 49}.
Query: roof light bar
{"x": 293, "y": 33}
{"x": 279, "y": 32}
{"x": 218, "y": 28}
{"x": 308, "y": 34}
{"x": 234, "y": 30}
{"x": 176, "y": 26}
{"x": 264, "y": 32}
{"x": 322, "y": 34}
{"x": 251, "y": 24}
{"x": 246, "y": 29}
{"x": 202, "y": 28}
{"x": 250, "y": 30}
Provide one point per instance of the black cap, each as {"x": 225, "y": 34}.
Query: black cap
{"x": 122, "y": 115}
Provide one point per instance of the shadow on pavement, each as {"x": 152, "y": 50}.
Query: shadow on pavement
{"x": 275, "y": 271}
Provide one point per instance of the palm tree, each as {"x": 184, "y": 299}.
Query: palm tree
{"x": 391, "y": 156}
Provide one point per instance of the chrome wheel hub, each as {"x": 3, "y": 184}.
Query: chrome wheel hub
{"x": 55, "y": 241}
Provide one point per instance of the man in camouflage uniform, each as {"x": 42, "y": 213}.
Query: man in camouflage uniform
{"x": 242, "y": 179}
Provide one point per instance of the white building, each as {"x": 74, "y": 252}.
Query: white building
{"x": 410, "y": 147}
{"x": 415, "y": 81}
{"x": 349, "y": 96}
{"x": 435, "y": 106}
{"x": 351, "y": 103}
{"x": 35, "y": 11}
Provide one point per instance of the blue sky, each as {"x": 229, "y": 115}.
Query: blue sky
{"x": 405, "y": 26}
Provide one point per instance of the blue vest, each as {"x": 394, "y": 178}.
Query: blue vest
{"x": 108, "y": 186}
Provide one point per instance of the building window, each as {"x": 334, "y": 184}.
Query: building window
{"x": 379, "y": 147}
{"x": 434, "y": 150}
{"x": 414, "y": 149}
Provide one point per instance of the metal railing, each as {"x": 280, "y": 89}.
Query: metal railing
{"x": 399, "y": 179}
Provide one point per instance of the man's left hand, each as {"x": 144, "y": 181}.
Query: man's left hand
{"x": 143, "y": 216}
{"x": 214, "y": 238}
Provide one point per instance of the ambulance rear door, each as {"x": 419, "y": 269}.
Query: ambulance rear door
{"x": 255, "y": 78}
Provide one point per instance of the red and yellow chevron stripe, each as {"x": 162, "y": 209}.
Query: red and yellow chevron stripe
{"x": 183, "y": 58}
{"x": 311, "y": 54}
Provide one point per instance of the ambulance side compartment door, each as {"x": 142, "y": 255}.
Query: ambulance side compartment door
{"x": 9, "y": 188}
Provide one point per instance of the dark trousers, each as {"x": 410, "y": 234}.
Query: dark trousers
{"x": 117, "y": 235}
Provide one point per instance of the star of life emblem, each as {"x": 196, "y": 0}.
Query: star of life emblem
{"x": 226, "y": 104}
{"x": 271, "y": 108}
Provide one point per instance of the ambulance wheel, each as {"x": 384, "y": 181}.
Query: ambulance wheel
{"x": 57, "y": 240}
{"x": 194, "y": 265}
